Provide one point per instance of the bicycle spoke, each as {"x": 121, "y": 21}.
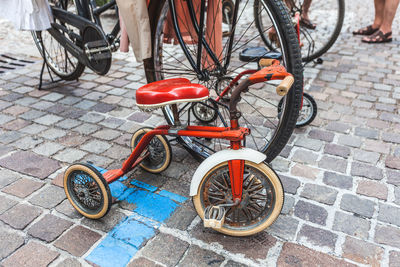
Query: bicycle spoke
{"x": 275, "y": 105}
{"x": 252, "y": 136}
{"x": 259, "y": 112}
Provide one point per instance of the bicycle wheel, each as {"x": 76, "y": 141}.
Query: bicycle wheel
{"x": 60, "y": 61}
{"x": 270, "y": 133}
{"x": 326, "y": 15}
{"x": 307, "y": 113}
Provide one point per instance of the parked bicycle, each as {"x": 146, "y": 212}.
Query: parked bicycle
{"x": 242, "y": 47}
{"x": 318, "y": 34}
{"x": 77, "y": 40}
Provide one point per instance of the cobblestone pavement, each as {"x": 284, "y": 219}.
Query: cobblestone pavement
{"x": 341, "y": 174}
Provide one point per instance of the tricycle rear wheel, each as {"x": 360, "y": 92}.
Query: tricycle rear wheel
{"x": 87, "y": 190}
{"x": 159, "y": 151}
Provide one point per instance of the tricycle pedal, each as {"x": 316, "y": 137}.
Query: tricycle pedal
{"x": 214, "y": 216}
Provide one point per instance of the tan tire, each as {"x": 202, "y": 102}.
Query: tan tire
{"x": 159, "y": 148}
{"x": 264, "y": 176}
{"x": 87, "y": 190}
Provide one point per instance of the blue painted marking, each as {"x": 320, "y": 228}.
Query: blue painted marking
{"x": 112, "y": 252}
{"x": 145, "y": 220}
{"x": 151, "y": 209}
{"x": 144, "y": 185}
{"x": 117, "y": 188}
{"x": 133, "y": 232}
{"x": 123, "y": 178}
{"x": 151, "y": 205}
{"x": 127, "y": 193}
{"x": 173, "y": 196}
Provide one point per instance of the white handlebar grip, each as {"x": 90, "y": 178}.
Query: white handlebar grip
{"x": 265, "y": 62}
{"x": 285, "y": 85}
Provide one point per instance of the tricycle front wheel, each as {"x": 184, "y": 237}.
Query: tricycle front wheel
{"x": 261, "y": 204}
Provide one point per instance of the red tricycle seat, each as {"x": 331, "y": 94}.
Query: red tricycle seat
{"x": 170, "y": 91}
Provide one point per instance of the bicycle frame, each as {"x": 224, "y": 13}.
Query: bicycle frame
{"x": 89, "y": 10}
{"x": 233, "y": 134}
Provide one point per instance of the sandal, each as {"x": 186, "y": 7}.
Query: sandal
{"x": 378, "y": 37}
{"x": 307, "y": 23}
{"x": 365, "y": 31}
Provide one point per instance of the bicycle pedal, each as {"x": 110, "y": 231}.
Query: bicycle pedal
{"x": 99, "y": 56}
{"x": 96, "y": 44}
{"x": 98, "y": 50}
{"x": 214, "y": 216}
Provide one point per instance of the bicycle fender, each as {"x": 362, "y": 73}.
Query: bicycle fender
{"x": 222, "y": 156}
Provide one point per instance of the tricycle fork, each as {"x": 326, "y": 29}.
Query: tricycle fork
{"x": 236, "y": 171}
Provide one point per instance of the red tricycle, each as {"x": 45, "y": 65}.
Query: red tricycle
{"x": 234, "y": 191}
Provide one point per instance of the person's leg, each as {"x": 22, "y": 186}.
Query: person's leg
{"x": 306, "y": 8}
{"x": 379, "y": 13}
{"x": 213, "y": 31}
{"x": 288, "y": 4}
{"x": 385, "y": 30}
{"x": 388, "y": 15}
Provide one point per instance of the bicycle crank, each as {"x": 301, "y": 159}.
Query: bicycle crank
{"x": 96, "y": 49}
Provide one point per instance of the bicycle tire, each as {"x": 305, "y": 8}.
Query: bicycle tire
{"x": 291, "y": 57}
{"x": 307, "y": 57}
{"x": 59, "y": 67}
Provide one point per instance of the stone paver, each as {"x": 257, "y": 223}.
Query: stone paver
{"x": 31, "y": 164}
{"x": 10, "y": 242}
{"x": 20, "y": 215}
{"x": 70, "y": 262}
{"x": 201, "y": 257}
{"x": 351, "y": 225}
{"x": 362, "y": 252}
{"x": 48, "y": 197}
{"x": 165, "y": 249}
{"x": 359, "y": 206}
{"x": 49, "y": 228}
{"x": 338, "y": 180}
{"x": 22, "y": 188}
{"x": 318, "y": 193}
{"x": 263, "y": 241}
{"x": 389, "y": 214}
{"x": 77, "y": 240}
{"x": 387, "y": 235}
{"x": 318, "y": 237}
{"x": 394, "y": 259}
{"x": 32, "y": 254}
{"x": 293, "y": 254}
{"x": 6, "y": 203}
{"x": 143, "y": 262}
{"x": 372, "y": 189}
{"x": 310, "y": 212}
